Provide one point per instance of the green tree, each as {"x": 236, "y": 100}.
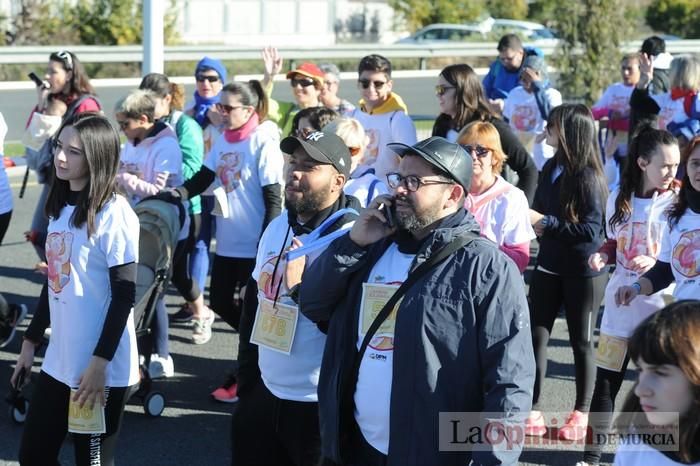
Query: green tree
{"x": 419, "y": 13}
{"x": 40, "y": 23}
{"x": 512, "y": 9}
{"x": 678, "y": 17}
{"x": 588, "y": 56}
{"x": 543, "y": 11}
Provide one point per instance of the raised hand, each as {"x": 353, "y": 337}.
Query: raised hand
{"x": 272, "y": 61}
{"x": 372, "y": 225}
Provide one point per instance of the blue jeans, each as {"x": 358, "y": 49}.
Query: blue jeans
{"x": 199, "y": 258}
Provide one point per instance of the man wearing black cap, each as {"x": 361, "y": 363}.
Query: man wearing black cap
{"x": 276, "y": 421}
{"x": 458, "y": 341}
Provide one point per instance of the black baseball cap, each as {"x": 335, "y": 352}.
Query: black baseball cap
{"x": 324, "y": 147}
{"x": 448, "y": 157}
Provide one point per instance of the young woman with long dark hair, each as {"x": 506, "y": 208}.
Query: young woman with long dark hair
{"x": 92, "y": 250}
{"x": 568, "y": 216}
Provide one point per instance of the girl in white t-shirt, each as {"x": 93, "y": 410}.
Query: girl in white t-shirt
{"x": 665, "y": 400}
{"x": 500, "y": 208}
{"x": 92, "y": 249}
{"x": 679, "y": 258}
{"x": 636, "y": 224}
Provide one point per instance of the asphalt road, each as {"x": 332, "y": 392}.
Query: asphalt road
{"x": 16, "y": 105}
{"x": 194, "y": 430}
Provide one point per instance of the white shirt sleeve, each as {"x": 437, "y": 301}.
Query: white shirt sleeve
{"x": 402, "y": 129}
{"x": 554, "y": 97}
{"x": 271, "y": 163}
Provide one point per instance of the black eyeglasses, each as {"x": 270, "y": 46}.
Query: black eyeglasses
{"x": 303, "y": 82}
{"x": 365, "y": 83}
{"x": 477, "y": 149}
{"x": 441, "y": 90}
{"x": 411, "y": 182}
{"x": 223, "y": 108}
{"x": 201, "y": 78}
{"x": 65, "y": 57}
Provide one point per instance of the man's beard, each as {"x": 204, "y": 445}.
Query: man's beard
{"x": 414, "y": 221}
{"x": 310, "y": 203}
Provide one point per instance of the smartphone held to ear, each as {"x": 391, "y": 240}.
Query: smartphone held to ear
{"x": 389, "y": 213}
{"x": 38, "y": 81}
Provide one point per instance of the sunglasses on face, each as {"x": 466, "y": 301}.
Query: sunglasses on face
{"x": 441, "y": 90}
{"x": 201, "y": 78}
{"x": 223, "y": 108}
{"x": 365, "y": 83}
{"x": 478, "y": 150}
{"x": 412, "y": 183}
{"x": 303, "y": 82}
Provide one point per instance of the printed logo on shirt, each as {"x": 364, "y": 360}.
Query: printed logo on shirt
{"x": 620, "y": 103}
{"x": 631, "y": 246}
{"x": 686, "y": 254}
{"x": 228, "y": 170}
{"x": 372, "y": 151}
{"x": 524, "y": 118}
{"x": 58, "y": 252}
{"x": 267, "y": 284}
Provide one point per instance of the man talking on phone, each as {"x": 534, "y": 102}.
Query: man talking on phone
{"x": 458, "y": 339}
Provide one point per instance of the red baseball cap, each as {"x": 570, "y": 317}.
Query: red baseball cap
{"x": 309, "y": 70}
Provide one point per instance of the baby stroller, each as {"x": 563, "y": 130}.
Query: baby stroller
{"x": 160, "y": 226}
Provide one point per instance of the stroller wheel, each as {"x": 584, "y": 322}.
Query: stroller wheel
{"x": 19, "y": 414}
{"x": 154, "y": 404}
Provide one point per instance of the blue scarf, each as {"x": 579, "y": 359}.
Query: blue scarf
{"x": 201, "y": 105}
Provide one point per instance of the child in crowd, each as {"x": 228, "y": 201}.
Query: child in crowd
{"x": 636, "y": 224}
{"x": 666, "y": 349}
{"x": 91, "y": 363}
{"x": 527, "y": 108}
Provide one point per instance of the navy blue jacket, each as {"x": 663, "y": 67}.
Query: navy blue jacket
{"x": 462, "y": 343}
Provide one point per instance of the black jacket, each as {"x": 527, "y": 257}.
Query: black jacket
{"x": 565, "y": 246}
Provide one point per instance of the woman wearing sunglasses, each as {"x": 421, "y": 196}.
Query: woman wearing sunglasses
{"x": 500, "y": 208}
{"x": 65, "y": 80}
{"x": 462, "y": 100}
{"x": 247, "y": 163}
{"x": 307, "y": 82}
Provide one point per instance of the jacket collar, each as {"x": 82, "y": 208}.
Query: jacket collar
{"x": 342, "y": 202}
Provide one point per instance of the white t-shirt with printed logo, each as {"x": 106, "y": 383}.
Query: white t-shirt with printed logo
{"x": 503, "y": 214}
{"x": 526, "y": 120}
{"x": 373, "y": 392}
{"x": 295, "y": 376}
{"x": 681, "y": 248}
{"x": 642, "y": 234}
{"x": 669, "y": 110}
{"x": 242, "y": 169}
{"x": 79, "y": 292}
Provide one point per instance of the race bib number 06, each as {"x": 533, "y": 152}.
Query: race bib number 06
{"x": 85, "y": 420}
{"x": 611, "y": 352}
{"x": 275, "y": 326}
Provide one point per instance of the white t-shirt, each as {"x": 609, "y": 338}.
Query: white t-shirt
{"x": 242, "y": 169}
{"x": 681, "y": 248}
{"x": 503, "y": 213}
{"x": 365, "y": 187}
{"x": 524, "y": 117}
{"x": 373, "y": 392}
{"x": 79, "y": 292}
{"x": 294, "y": 376}
{"x": 382, "y": 129}
{"x": 643, "y": 455}
{"x": 641, "y": 235}
{"x": 616, "y": 98}
{"x": 669, "y": 110}
{"x": 5, "y": 191}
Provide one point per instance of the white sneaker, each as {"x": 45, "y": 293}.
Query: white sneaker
{"x": 160, "y": 367}
{"x": 201, "y": 329}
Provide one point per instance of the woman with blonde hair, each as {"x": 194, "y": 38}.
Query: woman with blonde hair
{"x": 500, "y": 208}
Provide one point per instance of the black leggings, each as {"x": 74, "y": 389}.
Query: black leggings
{"x": 607, "y": 386}
{"x": 47, "y": 425}
{"x": 185, "y": 284}
{"x": 4, "y": 224}
{"x": 581, "y": 298}
{"x": 227, "y": 274}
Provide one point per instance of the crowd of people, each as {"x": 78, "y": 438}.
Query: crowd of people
{"x": 375, "y": 281}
